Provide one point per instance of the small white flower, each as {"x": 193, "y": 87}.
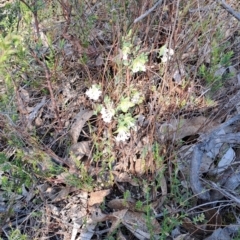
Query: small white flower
{"x": 94, "y": 93}
{"x": 107, "y": 114}
{"x": 136, "y": 97}
{"x": 125, "y": 56}
{"x": 126, "y": 50}
{"x": 138, "y": 64}
{"x": 167, "y": 55}
{"x": 138, "y": 67}
{"x": 122, "y": 135}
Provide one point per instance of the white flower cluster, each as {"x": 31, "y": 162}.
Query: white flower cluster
{"x": 94, "y": 93}
{"x": 107, "y": 113}
{"x": 123, "y": 134}
{"x": 167, "y": 54}
{"x": 135, "y": 98}
{"x": 126, "y": 121}
{"x": 138, "y": 66}
{"x": 125, "y": 56}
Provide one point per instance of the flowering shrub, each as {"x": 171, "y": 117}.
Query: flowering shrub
{"x": 134, "y": 61}
{"x": 107, "y": 115}
{"x": 125, "y": 122}
{"x": 137, "y": 61}
{"x": 125, "y": 119}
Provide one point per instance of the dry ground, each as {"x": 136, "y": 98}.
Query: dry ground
{"x": 65, "y": 175}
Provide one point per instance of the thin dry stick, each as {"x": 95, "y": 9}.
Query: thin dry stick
{"x": 49, "y": 85}
{"x": 35, "y": 15}
{"x": 224, "y": 192}
{"x": 148, "y": 12}
{"x": 229, "y": 9}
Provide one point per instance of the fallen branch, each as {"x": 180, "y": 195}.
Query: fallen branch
{"x": 148, "y": 12}
{"x": 229, "y": 9}
{"x": 224, "y": 192}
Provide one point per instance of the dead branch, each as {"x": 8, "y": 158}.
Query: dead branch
{"x": 224, "y": 192}
{"x": 35, "y": 15}
{"x": 148, "y": 12}
{"x": 49, "y": 85}
{"x": 229, "y": 9}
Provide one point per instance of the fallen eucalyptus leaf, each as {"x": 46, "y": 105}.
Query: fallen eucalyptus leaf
{"x": 80, "y": 149}
{"x": 232, "y": 182}
{"x": 179, "y": 128}
{"x": 82, "y": 117}
{"x": 97, "y": 197}
{"x": 219, "y": 234}
{"x": 226, "y": 160}
{"x": 120, "y": 204}
{"x": 136, "y": 222}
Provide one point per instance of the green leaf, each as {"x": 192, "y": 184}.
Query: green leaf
{"x": 3, "y": 158}
{"x": 139, "y": 62}
{"x": 162, "y": 50}
{"x": 125, "y": 104}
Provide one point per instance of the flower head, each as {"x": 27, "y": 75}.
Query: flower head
{"x": 107, "y": 114}
{"x": 125, "y": 55}
{"x": 136, "y": 98}
{"x": 94, "y": 93}
{"x": 123, "y": 134}
{"x": 138, "y": 63}
{"x": 167, "y": 54}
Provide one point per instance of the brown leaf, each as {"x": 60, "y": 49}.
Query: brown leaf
{"x": 136, "y": 222}
{"x": 55, "y": 194}
{"x": 97, "y": 197}
{"x": 81, "y": 118}
{"x": 180, "y": 128}
{"x": 140, "y": 166}
{"x": 80, "y": 149}
{"x": 24, "y": 95}
{"x": 124, "y": 177}
{"x": 99, "y": 60}
{"x": 117, "y": 218}
{"x": 97, "y": 215}
{"x": 120, "y": 204}
{"x": 34, "y": 112}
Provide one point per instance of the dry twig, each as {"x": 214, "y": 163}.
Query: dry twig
{"x": 148, "y": 12}
{"x": 229, "y": 9}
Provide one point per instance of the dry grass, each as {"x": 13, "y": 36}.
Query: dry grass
{"x": 75, "y": 44}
